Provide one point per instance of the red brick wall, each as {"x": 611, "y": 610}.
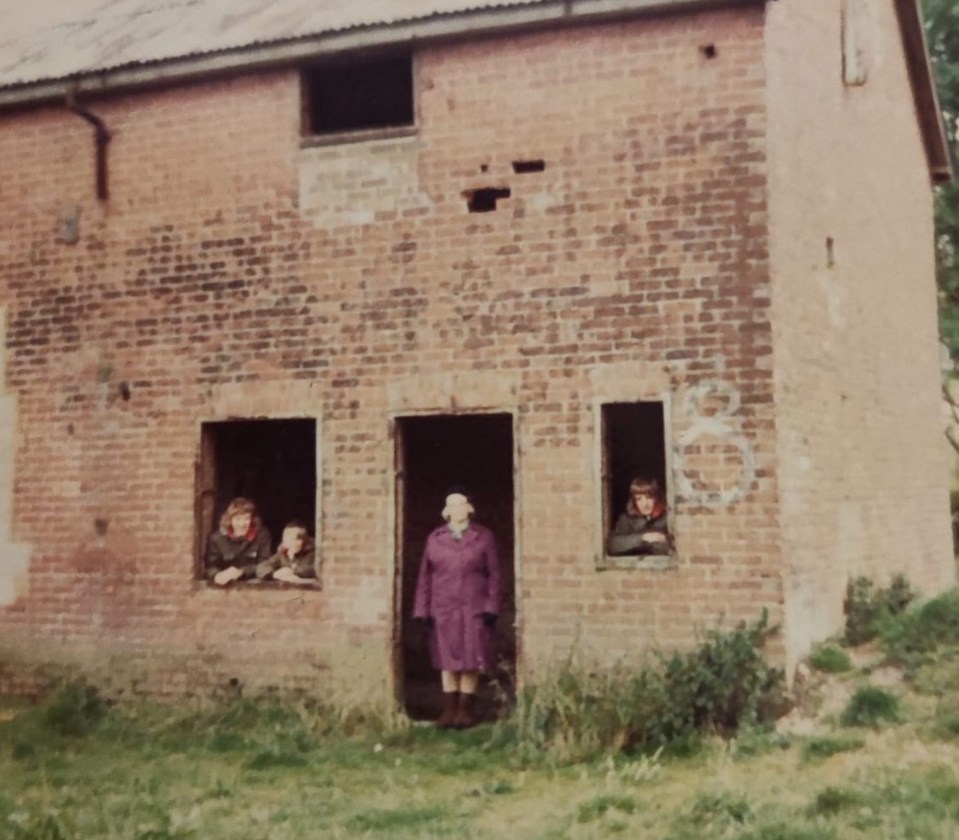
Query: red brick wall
{"x": 233, "y": 273}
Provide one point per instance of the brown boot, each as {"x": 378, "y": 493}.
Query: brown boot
{"x": 464, "y": 713}
{"x": 448, "y": 714}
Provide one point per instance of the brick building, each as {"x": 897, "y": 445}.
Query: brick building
{"x": 337, "y": 261}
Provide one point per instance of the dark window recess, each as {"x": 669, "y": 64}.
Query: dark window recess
{"x": 709, "y": 50}
{"x": 271, "y": 462}
{"x": 484, "y": 200}
{"x": 522, "y": 166}
{"x": 358, "y": 95}
{"x": 634, "y": 444}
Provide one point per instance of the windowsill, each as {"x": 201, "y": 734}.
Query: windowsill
{"x": 636, "y": 561}
{"x": 365, "y": 135}
{"x": 260, "y": 584}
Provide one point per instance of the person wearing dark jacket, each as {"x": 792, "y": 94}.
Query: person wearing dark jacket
{"x": 295, "y": 559}
{"x": 642, "y": 528}
{"x": 458, "y": 598}
{"x": 241, "y": 542}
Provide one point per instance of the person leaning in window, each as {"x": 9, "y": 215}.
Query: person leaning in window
{"x": 457, "y": 597}
{"x": 295, "y": 559}
{"x": 241, "y": 542}
{"x": 642, "y": 527}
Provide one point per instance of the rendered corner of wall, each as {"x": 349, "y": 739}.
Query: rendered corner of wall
{"x": 14, "y": 557}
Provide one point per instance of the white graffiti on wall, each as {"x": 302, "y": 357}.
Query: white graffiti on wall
{"x": 719, "y": 425}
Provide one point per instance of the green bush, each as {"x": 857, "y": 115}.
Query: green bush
{"x": 830, "y": 660}
{"x": 867, "y": 608}
{"x": 720, "y": 686}
{"x": 75, "y": 709}
{"x": 870, "y": 706}
{"x": 908, "y": 637}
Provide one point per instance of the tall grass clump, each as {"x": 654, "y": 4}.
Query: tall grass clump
{"x": 826, "y": 746}
{"x": 718, "y": 687}
{"x": 74, "y": 709}
{"x": 571, "y": 713}
{"x": 870, "y": 706}
{"x": 867, "y": 608}
{"x": 830, "y": 659}
{"x": 908, "y": 638}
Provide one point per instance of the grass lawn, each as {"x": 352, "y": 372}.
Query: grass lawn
{"x": 73, "y": 768}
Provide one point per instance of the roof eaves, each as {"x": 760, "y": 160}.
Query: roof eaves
{"x": 476, "y": 21}
{"x": 924, "y": 93}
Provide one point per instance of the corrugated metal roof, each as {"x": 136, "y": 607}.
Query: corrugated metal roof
{"x": 43, "y": 42}
{"x": 54, "y": 39}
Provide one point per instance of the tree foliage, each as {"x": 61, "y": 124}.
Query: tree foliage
{"x": 942, "y": 32}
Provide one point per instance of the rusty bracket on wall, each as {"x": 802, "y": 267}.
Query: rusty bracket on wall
{"x": 101, "y": 137}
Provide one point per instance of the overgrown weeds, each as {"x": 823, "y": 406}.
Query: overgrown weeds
{"x": 74, "y": 709}
{"x": 249, "y": 769}
{"x": 722, "y": 685}
{"x": 867, "y": 608}
{"x": 824, "y": 746}
{"x": 911, "y": 637}
{"x": 870, "y": 706}
{"x": 830, "y": 659}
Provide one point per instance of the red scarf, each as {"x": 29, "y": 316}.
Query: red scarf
{"x": 250, "y": 534}
{"x": 659, "y": 508}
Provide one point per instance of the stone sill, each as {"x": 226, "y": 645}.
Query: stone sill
{"x": 205, "y": 585}
{"x": 365, "y": 136}
{"x": 637, "y": 561}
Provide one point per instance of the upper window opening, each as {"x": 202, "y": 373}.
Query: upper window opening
{"x": 256, "y": 501}
{"x": 358, "y": 95}
{"x": 636, "y": 517}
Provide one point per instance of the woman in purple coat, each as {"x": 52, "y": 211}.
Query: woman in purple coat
{"x": 457, "y": 596}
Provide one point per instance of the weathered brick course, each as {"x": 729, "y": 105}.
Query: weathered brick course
{"x": 659, "y": 253}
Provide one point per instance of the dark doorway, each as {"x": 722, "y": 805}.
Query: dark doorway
{"x": 435, "y": 453}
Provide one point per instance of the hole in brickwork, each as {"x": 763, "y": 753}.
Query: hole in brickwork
{"x": 101, "y": 526}
{"x": 521, "y": 166}
{"x": 709, "y": 50}
{"x": 484, "y": 200}
{"x": 124, "y": 391}
{"x": 830, "y": 252}
{"x": 484, "y": 167}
